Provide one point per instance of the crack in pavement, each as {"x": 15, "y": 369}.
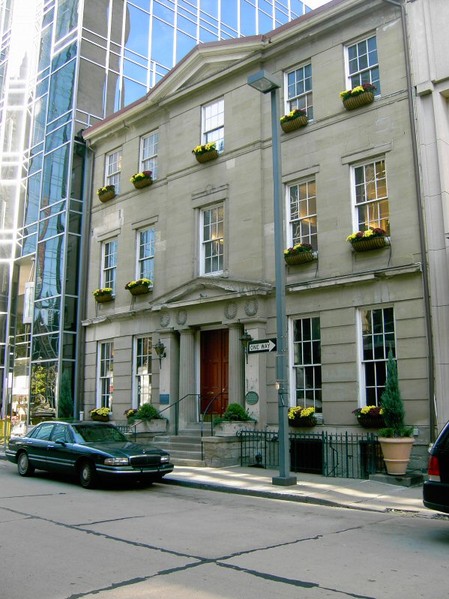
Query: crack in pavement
{"x": 198, "y": 560}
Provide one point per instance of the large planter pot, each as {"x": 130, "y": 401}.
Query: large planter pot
{"x": 139, "y": 290}
{"x": 230, "y": 428}
{"x": 143, "y": 183}
{"x": 301, "y": 258}
{"x": 396, "y": 452}
{"x": 106, "y": 196}
{"x": 207, "y": 156}
{"x": 372, "y": 243}
{"x": 293, "y": 124}
{"x": 356, "y": 101}
{"x": 101, "y": 299}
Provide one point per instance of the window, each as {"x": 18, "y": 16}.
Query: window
{"x": 302, "y": 213}
{"x": 371, "y": 196}
{"x": 143, "y": 371}
{"x": 109, "y": 272}
{"x": 213, "y": 123}
{"x": 212, "y": 240}
{"x": 105, "y": 374}
{"x": 145, "y": 266}
{"x": 307, "y": 362}
{"x": 299, "y": 90}
{"x": 149, "y": 146}
{"x": 378, "y": 337}
{"x": 363, "y": 66}
{"x": 113, "y": 168}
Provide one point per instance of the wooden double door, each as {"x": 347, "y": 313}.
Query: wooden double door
{"x": 214, "y": 369}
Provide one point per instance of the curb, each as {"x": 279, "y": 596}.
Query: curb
{"x": 269, "y": 495}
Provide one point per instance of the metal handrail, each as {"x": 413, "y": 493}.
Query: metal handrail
{"x": 206, "y": 412}
{"x": 175, "y": 404}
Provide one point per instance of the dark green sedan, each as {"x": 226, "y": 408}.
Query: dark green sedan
{"x": 89, "y": 450}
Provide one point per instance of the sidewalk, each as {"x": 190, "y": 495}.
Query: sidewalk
{"x": 310, "y": 488}
{"x": 371, "y": 495}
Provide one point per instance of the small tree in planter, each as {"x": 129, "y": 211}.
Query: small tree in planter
{"x": 395, "y": 439}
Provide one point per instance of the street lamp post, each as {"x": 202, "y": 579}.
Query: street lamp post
{"x": 265, "y": 85}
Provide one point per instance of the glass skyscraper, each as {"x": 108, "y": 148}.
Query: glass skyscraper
{"x": 65, "y": 64}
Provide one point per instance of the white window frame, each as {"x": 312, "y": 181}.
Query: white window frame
{"x": 109, "y": 263}
{"x": 149, "y": 148}
{"x": 212, "y": 123}
{"x": 212, "y": 239}
{"x": 113, "y": 167}
{"x": 143, "y": 369}
{"x": 145, "y": 253}
{"x": 298, "y": 87}
{"x": 362, "y": 63}
{"x": 302, "y": 222}
{"x": 378, "y": 358}
{"x": 301, "y": 349}
{"x": 105, "y": 374}
{"x": 370, "y": 195}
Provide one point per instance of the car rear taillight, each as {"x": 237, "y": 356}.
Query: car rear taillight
{"x": 433, "y": 469}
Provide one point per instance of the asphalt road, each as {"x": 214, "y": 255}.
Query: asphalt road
{"x": 58, "y": 541}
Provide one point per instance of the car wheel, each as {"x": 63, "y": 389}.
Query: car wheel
{"x": 23, "y": 465}
{"x": 87, "y": 475}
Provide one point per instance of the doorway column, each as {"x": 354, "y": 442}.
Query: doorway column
{"x": 188, "y": 411}
{"x": 236, "y": 366}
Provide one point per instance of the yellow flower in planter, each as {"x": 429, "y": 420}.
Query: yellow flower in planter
{"x": 367, "y": 234}
{"x": 106, "y": 189}
{"x": 139, "y": 283}
{"x": 102, "y": 291}
{"x": 293, "y": 114}
{"x": 140, "y": 176}
{"x": 202, "y": 149}
{"x": 356, "y": 91}
{"x": 100, "y": 412}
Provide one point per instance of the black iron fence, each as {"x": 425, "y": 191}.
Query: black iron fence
{"x": 345, "y": 455}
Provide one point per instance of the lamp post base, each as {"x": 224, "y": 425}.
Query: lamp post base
{"x": 284, "y": 481}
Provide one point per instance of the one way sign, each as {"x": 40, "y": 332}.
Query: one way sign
{"x": 261, "y": 345}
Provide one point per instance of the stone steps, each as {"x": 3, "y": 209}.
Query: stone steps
{"x": 184, "y": 448}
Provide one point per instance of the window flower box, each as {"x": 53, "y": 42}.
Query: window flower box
{"x": 371, "y": 239}
{"x": 293, "y": 120}
{"x": 361, "y": 95}
{"x": 139, "y": 287}
{"x": 141, "y": 180}
{"x": 100, "y": 414}
{"x": 300, "y": 253}
{"x": 106, "y": 193}
{"x": 206, "y": 152}
{"x": 370, "y": 417}
{"x": 302, "y": 417}
{"x": 103, "y": 294}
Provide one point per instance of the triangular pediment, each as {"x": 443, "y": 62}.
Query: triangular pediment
{"x": 203, "y": 62}
{"x": 204, "y": 290}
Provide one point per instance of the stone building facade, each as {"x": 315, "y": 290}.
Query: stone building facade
{"x": 204, "y": 232}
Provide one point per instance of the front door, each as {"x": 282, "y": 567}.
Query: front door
{"x": 214, "y": 371}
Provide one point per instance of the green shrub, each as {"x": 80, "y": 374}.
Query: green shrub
{"x": 147, "y": 412}
{"x": 236, "y": 412}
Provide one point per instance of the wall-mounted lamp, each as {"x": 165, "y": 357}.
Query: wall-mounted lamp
{"x": 159, "y": 348}
{"x": 245, "y": 339}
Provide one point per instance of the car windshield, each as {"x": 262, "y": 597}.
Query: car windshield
{"x": 99, "y": 434}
